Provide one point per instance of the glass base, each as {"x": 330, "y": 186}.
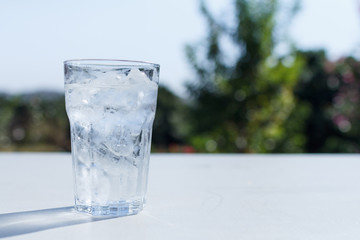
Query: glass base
{"x": 118, "y": 209}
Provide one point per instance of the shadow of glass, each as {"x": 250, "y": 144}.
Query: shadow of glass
{"x": 12, "y": 224}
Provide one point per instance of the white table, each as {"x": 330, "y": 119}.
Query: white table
{"x": 192, "y": 197}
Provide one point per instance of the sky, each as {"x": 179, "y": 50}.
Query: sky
{"x": 38, "y": 35}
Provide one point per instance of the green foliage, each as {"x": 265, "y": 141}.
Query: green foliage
{"x": 331, "y": 89}
{"x": 5, "y": 116}
{"x": 273, "y": 107}
{"x": 34, "y": 122}
{"x": 242, "y": 106}
{"x": 170, "y": 126}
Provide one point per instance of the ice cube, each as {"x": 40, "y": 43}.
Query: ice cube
{"x": 75, "y": 74}
{"x": 108, "y": 78}
{"x": 137, "y": 77}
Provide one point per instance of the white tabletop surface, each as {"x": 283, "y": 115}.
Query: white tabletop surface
{"x": 226, "y": 197}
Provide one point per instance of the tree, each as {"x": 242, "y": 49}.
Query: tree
{"x": 242, "y": 105}
{"x": 170, "y": 127}
{"x": 34, "y": 122}
{"x": 331, "y": 90}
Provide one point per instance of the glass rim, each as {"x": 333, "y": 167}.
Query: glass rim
{"x": 110, "y": 63}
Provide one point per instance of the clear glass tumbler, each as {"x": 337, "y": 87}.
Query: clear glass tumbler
{"x": 111, "y": 107}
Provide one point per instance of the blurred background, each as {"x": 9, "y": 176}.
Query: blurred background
{"x": 244, "y": 76}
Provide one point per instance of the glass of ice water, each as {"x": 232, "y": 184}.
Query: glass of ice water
{"x": 111, "y": 107}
